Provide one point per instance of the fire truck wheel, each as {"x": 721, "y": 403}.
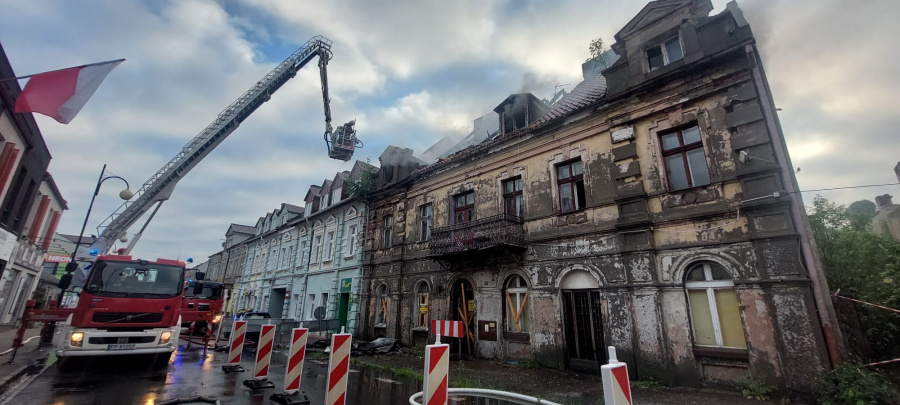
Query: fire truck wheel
{"x": 161, "y": 360}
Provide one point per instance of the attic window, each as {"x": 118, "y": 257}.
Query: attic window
{"x": 664, "y": 53}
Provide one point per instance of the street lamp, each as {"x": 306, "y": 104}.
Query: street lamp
{"x": 125, "y": 194}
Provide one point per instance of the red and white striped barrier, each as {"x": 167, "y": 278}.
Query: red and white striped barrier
{"x": 264, "y": 351}
{"x": 338, "y": 367}
{"x": 299, "y": 337}
{"x": 437, "y": 369}
{"x": 616, "y": 386}
{"x": 447, "y": 328}
{"x": 236, "y": 346}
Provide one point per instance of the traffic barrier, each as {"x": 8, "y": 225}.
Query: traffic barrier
{"x": 264, "y": 353}
{"x": 297, "y": 353}
{"x": 447, "y": 328}
{"x": 299, "y": 337}
{"x": 616, "y": 386}
{"x": 235, "y": 347}
{"x": 338, "y": 367}
{"x": 263, "y": 359}
{"x": 437, "y": 370}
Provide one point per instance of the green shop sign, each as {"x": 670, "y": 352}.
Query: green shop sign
{"x": 345, "y": 284}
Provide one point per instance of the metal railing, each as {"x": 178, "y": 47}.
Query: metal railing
{"x": 486, "y": 393}
{"x": 503, "y": 229}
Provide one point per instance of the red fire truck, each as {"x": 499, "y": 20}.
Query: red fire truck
{"x": 202, "y": 304}
{"x": 127, "y": 306}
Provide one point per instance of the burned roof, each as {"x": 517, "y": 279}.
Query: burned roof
{"x": 584, "y": 94}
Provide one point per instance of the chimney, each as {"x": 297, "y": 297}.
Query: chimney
{"x": 883, "y": 200}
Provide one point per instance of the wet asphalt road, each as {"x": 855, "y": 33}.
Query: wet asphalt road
{"x": 129, "y": 380}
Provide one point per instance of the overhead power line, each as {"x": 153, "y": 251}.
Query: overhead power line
{"x": 843, "y": 188}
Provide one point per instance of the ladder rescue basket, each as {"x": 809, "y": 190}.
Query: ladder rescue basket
{"x": 342, "y": 142}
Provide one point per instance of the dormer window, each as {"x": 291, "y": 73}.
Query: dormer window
{"x": 664, "y": 53}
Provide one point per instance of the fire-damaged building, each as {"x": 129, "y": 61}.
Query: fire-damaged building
{"x": 653, "y": 208}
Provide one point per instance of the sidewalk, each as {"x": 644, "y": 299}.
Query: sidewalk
{"x": 559, "y": 386}
{"x": 25, "y": 357}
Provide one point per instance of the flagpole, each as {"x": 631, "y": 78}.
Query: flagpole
{"x": 57, "y": 70}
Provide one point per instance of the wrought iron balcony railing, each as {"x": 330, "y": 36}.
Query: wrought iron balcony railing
{"x": 503, "y": 229}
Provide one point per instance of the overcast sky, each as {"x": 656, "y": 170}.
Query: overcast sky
{"x": 410, "y": 72}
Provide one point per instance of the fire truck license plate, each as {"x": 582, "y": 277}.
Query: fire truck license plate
{"x": 119, "y": 347}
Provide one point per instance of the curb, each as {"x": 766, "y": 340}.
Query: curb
{"x": 17, "y": 383}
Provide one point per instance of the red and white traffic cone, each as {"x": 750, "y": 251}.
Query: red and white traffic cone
{"x": 291, "y": 395}
{"x": 235, "y": 347}
{"x": 616, "y": 386}
{"x": 338, "y": 367}
{"x": 263, "y": 359}
{"x": 437, "y": 369}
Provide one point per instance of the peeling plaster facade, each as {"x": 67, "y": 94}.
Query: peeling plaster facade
{"x": 625, "y": 250}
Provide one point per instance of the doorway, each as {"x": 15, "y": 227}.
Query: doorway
{"x": 584, "y": 330}
{"x": 462, "y": 308}
{"x": 343, "y": 310}
{"x": 276, "y": 302}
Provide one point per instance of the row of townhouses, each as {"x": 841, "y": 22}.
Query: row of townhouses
{"x": 30, "y": 205}
{"x": 296, "y": 259}
{"x": 653, "y": 208}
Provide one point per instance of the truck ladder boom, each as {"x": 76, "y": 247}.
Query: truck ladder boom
{"x": 160, "y": 186}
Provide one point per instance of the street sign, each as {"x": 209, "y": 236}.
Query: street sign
{"x": 346, "y": 283}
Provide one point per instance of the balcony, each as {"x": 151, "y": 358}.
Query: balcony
{"x": 498, "y": 231}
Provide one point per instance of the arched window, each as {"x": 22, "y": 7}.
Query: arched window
{"x": 715, "y": 314}
{"x": 422, "y": 292}
{"x": 518, "y": 319}
{"x": 382, "y": 300}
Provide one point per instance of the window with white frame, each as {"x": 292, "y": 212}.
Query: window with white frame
{"x": 336, "y": 196}
{"x": 324, "y": 200}
{"x": 284, "y": 258}
{"x": 387, "y": 232}
{"x": 664, "y": 53}
{"x": 715, "y": 312}
{"x": 317, "y": 242}
{"x": 301, "y": 252}
{"x": 329, "y": 246}
{"x": 350, "y": 249}
{"x": 290, "y": 255}
{"x": 518, "y": 319}
{"x": 425, "y": 215}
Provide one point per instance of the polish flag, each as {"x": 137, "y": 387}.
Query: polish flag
{"x": 60, "y": 94}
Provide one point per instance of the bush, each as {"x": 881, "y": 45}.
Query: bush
{"x": 851, "y": 384}
{"x": 752, "y": 388}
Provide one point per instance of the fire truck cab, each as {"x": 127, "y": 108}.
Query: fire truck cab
{"x": 127, "y": 306}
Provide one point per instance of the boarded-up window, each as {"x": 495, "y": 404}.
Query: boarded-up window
{"x": 715, "y": 313}
{"x": 518, "y": 319}
{"x": 422, "y": 292}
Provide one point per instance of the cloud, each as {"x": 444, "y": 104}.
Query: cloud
{"x": 409, "y": 72}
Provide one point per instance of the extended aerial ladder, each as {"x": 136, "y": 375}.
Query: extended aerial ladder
{"x": 159, "y": 187}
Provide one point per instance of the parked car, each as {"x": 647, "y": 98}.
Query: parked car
{"x": 255, "y": 315}
{"x": 252, "y": 336}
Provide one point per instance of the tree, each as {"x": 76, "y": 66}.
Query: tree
{"x": 861, "y": 213}
{"x": 598, "y": 53}
{"x": 863, "y": 265}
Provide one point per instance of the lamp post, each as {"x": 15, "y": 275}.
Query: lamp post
{"x": 125, "y": 194}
